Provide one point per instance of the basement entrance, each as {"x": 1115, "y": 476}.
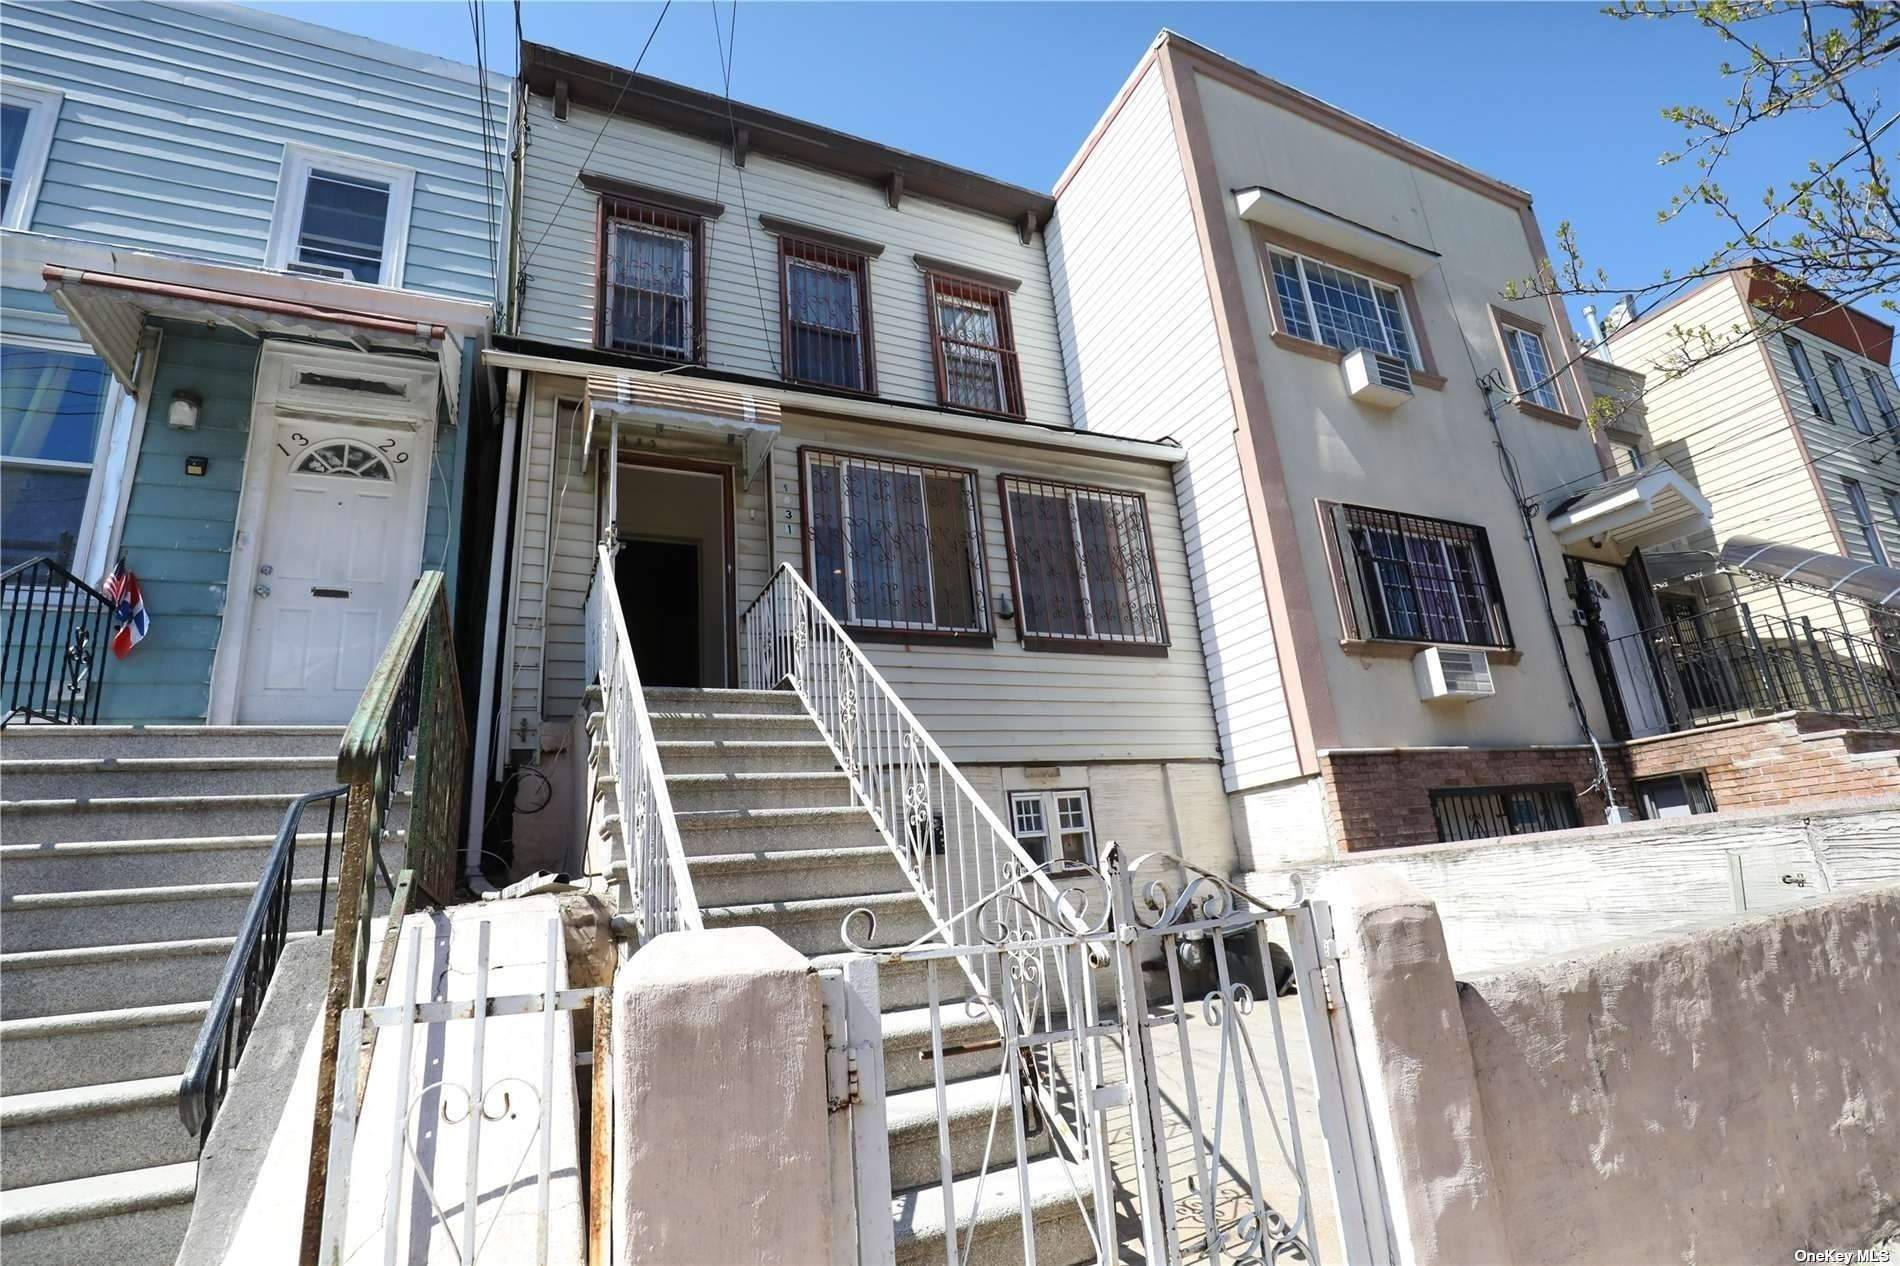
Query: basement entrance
{"x": 674, "y": 570}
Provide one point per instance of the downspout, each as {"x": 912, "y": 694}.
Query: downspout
{"x": 491, "y": 618}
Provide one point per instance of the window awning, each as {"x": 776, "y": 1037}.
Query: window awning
{"x": 1646, "y": 507}
{"x": 1275, "y": 210}
{"x": 691, "y": 413}
{"x": 1827, "y": 573}
{"x": 110, "y": 310}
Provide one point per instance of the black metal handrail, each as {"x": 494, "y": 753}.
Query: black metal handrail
{"x": 250, "y": 967}
{"x": 54, "y": 630}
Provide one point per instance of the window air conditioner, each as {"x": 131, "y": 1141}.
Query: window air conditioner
{"x": 1447, "y": 673}
{"x": 321, "y": 270}
{"x": 1384, "y": 382}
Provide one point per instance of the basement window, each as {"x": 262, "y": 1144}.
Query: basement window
{"x": 1485, "y": 813}
{"x": 1675, "y": 795}
{"x": 1037, "y": 817}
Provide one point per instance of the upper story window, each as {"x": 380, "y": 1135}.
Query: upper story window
{"x": 1842, "y": 380}
{"x": 342, "y": 217}
{"x": 894, "y": 546}
{"x": 27, "y": 116}
{"x": 827, "y": 315}
{"x": 1864, "y": 517}
{"x": 1809, "y": 383}
{"x": 51, "y": 404}
{"x": 1344, "y": 310}
{"x": 1084, "y": 568}
{"x": 974, "y": 346}
{"x": 1530, "y": 368}
{"x": 652, "y": 281}
{"x": 1405, "y": 577}
{"x": 1883, "y": 403}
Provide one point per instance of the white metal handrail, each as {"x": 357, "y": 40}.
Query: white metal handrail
{"x": 949, "y": 840}
{"x": 657, "y": 888}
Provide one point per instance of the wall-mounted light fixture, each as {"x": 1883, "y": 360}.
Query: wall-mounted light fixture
{"x": 183, "y": 413}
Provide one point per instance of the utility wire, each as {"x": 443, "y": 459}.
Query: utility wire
{"x": 731, "y": 38}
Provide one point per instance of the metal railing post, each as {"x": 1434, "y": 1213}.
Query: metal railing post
{"x": 1821, "y": 668}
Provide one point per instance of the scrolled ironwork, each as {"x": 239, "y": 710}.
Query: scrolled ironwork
{"x": 54, "y": 628}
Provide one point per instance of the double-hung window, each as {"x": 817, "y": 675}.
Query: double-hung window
{"x": 1805, "y": 372}
{"x": 1415, "y": 579}
{"x": 1883, "y": 403}
{"x": 51, "y": 405}
{"x": 974, "y": 346}
{"x": 651, "y": 281}
{"x": 1858, "y": 416}
{"x": 341, "y": 217}
{"x": 1039, "y": 818}
{"x": 1326, "y": 304}
{"x": 827, "y": 306}
{"x": 1083, "y": 564}
{"x": 27, "y": 116}
{"x": 894, "y": 546}
{"x": 1864, "y": 517}
{"x": 1531, "y": 374}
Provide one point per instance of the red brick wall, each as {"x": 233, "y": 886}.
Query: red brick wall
{"x": 1382, "y": 798}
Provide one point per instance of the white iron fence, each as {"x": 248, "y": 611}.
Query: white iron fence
{"x": 655, "y": 887}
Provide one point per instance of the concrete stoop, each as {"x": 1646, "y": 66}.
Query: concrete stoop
{"x": 128, "y": 855}
{"x": 774, "y": 840}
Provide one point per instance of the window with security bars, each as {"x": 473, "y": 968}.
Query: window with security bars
{"x": 1084, "y": 567}
{"x": 1325, "y": 304}
{"x": 895, "y": 546}
{"x": 826, "y": 330}
{"x": 974, "y": 346}
{"x": 1405, "y": 577}
{"x": 1483, "y": 813}
{"x": 650, "y": 277}
{"x": 1037, "y": 816}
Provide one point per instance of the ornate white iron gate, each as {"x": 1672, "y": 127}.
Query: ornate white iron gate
{"x": 1148, "y": 1034}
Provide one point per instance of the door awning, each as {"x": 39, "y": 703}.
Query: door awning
{"x": 689, "y": 413}
{"x": 111, "y": 309}
{"x": 1646, "y": 507}
{"x": 1827, "y": 573}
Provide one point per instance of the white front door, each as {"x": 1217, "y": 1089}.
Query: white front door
{"x": 1629, "y": 655}
{"x": 334, "y": 566}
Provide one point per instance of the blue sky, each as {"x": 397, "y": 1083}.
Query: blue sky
{"x": 1554, "y": 97}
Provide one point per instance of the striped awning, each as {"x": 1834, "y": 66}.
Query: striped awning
{"x": 692, "y": 413}
{"x": 1811, "y": 569}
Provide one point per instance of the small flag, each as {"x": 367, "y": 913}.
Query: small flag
{"x": 122, "y": 587}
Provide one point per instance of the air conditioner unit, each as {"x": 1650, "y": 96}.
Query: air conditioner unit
{"x": 1384, "y": 382}
{"x": 321, "y": 270}
{"x": 1444, "y": 672}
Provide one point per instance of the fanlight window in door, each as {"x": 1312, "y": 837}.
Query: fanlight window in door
{"x": 346, "y": 459}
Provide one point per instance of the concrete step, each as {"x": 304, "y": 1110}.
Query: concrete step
{"x": 698, "y": 792}
{"x": 675, "y": 726}
{"x": 797, "y": 874}
{"x": 61, "y": 820}
{"x": 100, "y": 977}
{"x": 908, "y": 1062}
{"x": 987, "y": 1210}
{"x": 718, "y": 831}
{"x": 135, "y": 1218}
{"x": 723, "y": 702}
{"x": 746, "y": 756}
{"x": 180, "y": 776}
{"x": 90, "y": 742}
{"x": 57, "y": 1135}
{"x": 970, "y": 1107}
{"x": 814, "y": 927}
{"x": 906, "y": 984}
{"x": 71, "y": 920}
{"x": 91, "y": 1048}
{"x": 84, "y": 864}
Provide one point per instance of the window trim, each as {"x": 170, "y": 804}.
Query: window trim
{"x": 1355, "y": 634}
{"x": 106, "y": 464}
{"x": 1052, "y": 821}
{"x": 826, "y": 254}
{"x": 1864, "y": 517}
{"x": 1810, "y": 382}
{"x": 1844, "y": 383}
{"x": 938, "y": 282}
{"x": 1092, "y": 644}
{"x": 43, "y": 107}
{"x": 892, "y": 631}
{"x": 613, "y": 206}
{"x": 1424, "y": 368}
{"x": 293, "y": 183}
{"x": 1503, "y": 322}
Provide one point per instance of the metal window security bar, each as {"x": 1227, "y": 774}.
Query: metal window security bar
{"x": 975, "y": 346}
{"x": 1488, "y": 812}
{"x": 895, "y": 546}
{"x": 650, "y": 280}
{"x": 1406, "y": 577}
{"x": 55, "y": 630}
{"x": 825, "y": 303}
{"x": 1083, "y": 564}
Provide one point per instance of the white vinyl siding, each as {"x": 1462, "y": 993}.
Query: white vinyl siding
{"x": 1123, "y": 227}
{"x": 741, "y": 285}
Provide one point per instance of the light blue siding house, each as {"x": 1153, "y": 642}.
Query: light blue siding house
{"x": 248, "y": 263}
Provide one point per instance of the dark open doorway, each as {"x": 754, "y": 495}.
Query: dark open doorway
{"x": 659, "y": 594}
